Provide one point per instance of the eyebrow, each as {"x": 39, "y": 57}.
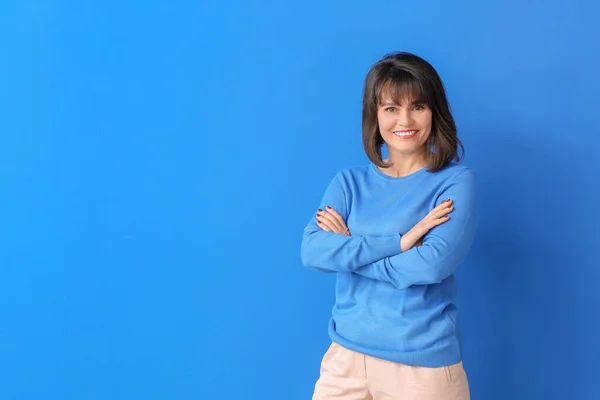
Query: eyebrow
{"x": 391, "y": 103}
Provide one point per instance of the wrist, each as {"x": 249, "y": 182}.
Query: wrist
{"x": 417, "y": 231}
{"x": 407, "y": 241}
{"x": 410, "y": 238}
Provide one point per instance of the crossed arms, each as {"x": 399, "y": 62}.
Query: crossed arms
{"x": 380, "y": 257}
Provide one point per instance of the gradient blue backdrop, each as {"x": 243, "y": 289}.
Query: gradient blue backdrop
{"x": 160, "y": 159}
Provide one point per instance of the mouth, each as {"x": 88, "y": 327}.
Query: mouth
{"x": 407, "y": 134}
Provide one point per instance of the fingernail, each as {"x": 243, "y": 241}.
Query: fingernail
{"x": 320, "y": 210}
{"x": 329, "y": 208}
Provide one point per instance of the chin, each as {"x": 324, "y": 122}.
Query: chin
{"x": 405, "y": 149}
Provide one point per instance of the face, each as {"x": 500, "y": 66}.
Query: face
{"x": 404, "y": 127}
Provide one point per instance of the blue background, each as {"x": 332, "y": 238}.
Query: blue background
{"x": 159, "y": 161}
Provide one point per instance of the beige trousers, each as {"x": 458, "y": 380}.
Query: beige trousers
{"x": 348, "y": 375}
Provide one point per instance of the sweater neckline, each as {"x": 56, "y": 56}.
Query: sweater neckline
{"x": 379, "y": 173}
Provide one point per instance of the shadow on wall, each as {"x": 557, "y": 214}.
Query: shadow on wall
{"x": 521, "y": 295}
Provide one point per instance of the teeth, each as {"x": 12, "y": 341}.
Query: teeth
{"x": 405, "y": 133}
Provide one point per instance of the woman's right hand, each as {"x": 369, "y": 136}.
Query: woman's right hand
{"x": 436, "y": 217}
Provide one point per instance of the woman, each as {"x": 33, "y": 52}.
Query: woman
{"x": 394, "y": 231}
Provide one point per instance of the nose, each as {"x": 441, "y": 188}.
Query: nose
{"x": 405, "y": 117}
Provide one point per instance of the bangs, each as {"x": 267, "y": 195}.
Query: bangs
{"x": 401, "y": 87}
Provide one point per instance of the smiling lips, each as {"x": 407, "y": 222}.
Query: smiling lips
{"x": 405, "y": 134}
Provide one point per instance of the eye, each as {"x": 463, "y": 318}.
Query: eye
{"x": 390, "y": 109}
{"x": 419, "y": 107}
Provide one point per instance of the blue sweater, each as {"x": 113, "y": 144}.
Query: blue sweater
{"x": 394, "y": 305}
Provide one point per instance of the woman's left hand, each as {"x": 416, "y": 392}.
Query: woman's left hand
{"x": 331, "y": 221}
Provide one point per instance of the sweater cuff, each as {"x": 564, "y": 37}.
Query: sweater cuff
{"x": 391, "y": 245}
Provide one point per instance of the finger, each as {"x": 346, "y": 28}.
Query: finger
{"x": 323, "y": 226}
{"x": 439, "y": 221}
{"x": 441, "y": 212}
{"x": 337, "y": 216}
{"x": 334, "y": 224}
{"x": 440, "y": 209}
{"x": 327, "y": 224}
{"x": 444, "y": 204}
{"x": 332, "y": 221}
{"x": 340, "y": 220}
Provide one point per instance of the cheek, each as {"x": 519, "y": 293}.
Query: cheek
{"x": 425, "y": 120}
{"x": 385, "y": 123}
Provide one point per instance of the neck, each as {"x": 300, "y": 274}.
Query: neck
{"x": 404, "y": 165}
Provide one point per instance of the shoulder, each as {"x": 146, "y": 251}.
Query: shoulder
{"x": 352, "y": 178}
{"x": 353, "y": 172}
{"x": 455, "y": 172}
{"x": 460, "y": 184}
{"x": 455, "y": 180}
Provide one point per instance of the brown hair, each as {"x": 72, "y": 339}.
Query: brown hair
{"x": 404, "y": 75}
